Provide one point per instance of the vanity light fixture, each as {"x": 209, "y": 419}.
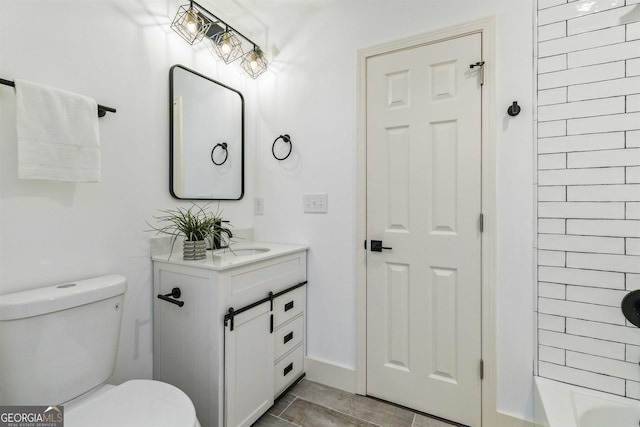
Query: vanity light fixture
{"x": 254, "y": 62}
{"x": 227, "y": 46}
{"x": 194, "y": 23}
{"x": 190, "y": 24}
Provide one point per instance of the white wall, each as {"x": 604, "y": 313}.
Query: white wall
{"x": 120, "y": 52}
{"x": 311, "y": 96}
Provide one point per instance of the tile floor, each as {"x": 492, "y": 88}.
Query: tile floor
{"x": 310, "y": 404}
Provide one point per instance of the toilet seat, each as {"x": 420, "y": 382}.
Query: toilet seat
{"x": 135, "y": 403}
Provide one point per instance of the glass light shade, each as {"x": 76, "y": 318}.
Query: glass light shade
{"x": 227, "y": 46}
{"x": 189, "y": 24}
{"x": 254, "y": 63}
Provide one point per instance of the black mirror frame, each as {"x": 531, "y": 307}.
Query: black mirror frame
{"x": 171, "y": 172}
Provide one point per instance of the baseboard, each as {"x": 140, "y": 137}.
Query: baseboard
{"x": 332, "y": 375}
{"x": 508, "y": 420}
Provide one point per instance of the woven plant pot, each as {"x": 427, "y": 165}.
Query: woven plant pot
{"x": 194, "y": 250}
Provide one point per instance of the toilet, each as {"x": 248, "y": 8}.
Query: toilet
{"x": 59, "y": 347}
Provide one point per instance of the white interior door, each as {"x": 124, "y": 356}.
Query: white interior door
{"x": 424, "y": 203}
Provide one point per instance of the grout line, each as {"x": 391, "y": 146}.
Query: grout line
{"x": 294, "y": 399}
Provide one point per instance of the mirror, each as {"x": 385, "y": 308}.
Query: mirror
{"x": 207, "y": 138}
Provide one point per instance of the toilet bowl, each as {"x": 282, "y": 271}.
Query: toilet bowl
{"x": 135, "y": 403}
{"x": 63, "y": 342}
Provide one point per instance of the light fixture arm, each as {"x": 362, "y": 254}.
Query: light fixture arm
{"x": 218, "y": 20}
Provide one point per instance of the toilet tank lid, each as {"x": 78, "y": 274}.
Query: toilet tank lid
{"x": 34, "y": 302}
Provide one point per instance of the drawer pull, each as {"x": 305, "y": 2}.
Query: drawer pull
{"x": 288, "y": 369}
{"x": 288, "y": 337}
{"x": 288, "y": 306}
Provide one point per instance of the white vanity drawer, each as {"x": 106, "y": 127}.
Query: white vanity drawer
{"x": 288, "y": 369}
{"x": 289, "y": 305}
{"x": 288, "y": 336}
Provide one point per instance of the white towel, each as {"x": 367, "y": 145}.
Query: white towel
{"x": 57, "y": 134}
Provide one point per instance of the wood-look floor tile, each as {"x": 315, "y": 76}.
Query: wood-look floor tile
{"x": 364, "y": 408}
{"x": 308, "y": 414}
{"x": 281, "y": 404}
{"x": 268, "y": 420}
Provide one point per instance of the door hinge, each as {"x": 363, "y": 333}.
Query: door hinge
{"x": 481, "y": 223}
{"x": 365, "y": 244}
{"x": 479, "y": 64}
{"x": 481, "y": 369}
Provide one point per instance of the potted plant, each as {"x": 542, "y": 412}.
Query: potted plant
{"x": 196, "y": 224}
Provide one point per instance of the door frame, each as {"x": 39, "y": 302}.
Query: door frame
{"x": 486, "y": 27}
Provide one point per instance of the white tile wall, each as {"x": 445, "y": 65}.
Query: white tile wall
{"x": 588, "y": 196}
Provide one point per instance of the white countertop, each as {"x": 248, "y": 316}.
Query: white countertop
{"x": 236, "y": 255}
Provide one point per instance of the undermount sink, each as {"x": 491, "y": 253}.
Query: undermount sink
{"x": 248, "y": 251}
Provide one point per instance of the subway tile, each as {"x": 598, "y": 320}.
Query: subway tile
{"x": 603, "y": 365}
{"x": 551, "y": 354}
{"x": 613, "y": 123}
{"x": 581, "y": 210}
{"x": 589, "y": 108}
{"x": 572, "y": 276}
{"x": 632, "y": 246}
{"x": 552, "y": 31}
{"x": 597, "y": 21}
{"x": 604, "y": 331}
{"x": 575, "y": 9}
{"x": 633, "y": 67}
{"x": 552, "y": 63}
{"x": 543, "y": 4}
{"x": 632, "y": 353}
{"x": 551, "y": 226}
{"x": 590, "y": 40}
{"x": 632, "y": 138}
{"x": 604, "y": 193}
{"x": 561, "y": 242}
{"x": 596, "y": 141}
{"x": 604, "y": 158}
{"x": 582, "y": 378}
{"x": 606, "y": 262}
{"x": 549, "y": 129}
{"x": 591, "y": 295}
{"x": 602, "y": 55}
{"x": 575, "y": 76}
{"x": 633, "y": 103}
{"x": 633, "y": 389}
{"x": 633, "y": 211}
{"x": 552, "y": 258}
{"x": 556, "y": 193}
{"x": 552, "y": 96}
{"x": 578, "y": 310}
{"x": 551, "y": 290}
{"x": 550, "y": 323}
{"x": 552, "y": 161}
{"x": 598, "y": 347}
{"x": 632, "y": 281}
{"x": 633, "y": 30}
{"x": 611, "y": 228}
{"x": 607, "y": 88}
{"x": 633, "y": 175}
{"x": 581, "y": 176}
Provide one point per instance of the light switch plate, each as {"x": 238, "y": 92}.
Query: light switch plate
{"x": 315, "y": 203}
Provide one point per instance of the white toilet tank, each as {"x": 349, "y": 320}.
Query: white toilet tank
{"x": 60, "y": 341}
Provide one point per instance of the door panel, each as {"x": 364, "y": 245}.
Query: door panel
{"x": 423, "y": 202}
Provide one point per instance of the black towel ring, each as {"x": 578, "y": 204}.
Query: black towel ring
{"x": 222, "y": 145}
{"x": 286, "y": 138}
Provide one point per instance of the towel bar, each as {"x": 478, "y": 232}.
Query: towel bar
{"x": 102, "y": 110}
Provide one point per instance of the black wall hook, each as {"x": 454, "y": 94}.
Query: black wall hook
{"x": 514, "y": 109}
{"x": 287, "y": 139}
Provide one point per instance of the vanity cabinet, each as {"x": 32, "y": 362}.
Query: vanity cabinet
{"x": 234, "y": 367}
